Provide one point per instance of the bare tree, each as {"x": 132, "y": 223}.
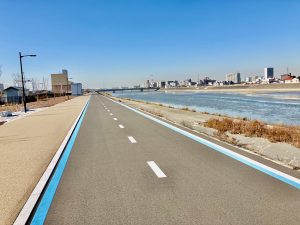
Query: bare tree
{"x": 17, "y": 79}
{"x": 35, "y": 84}
{"x": 45, "y": 85}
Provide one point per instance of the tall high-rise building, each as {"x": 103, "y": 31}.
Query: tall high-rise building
{"x": 268, "y": 73}
{"x": 234, "y": 77}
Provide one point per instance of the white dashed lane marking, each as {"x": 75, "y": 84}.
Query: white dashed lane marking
{"x": 131, "y": 139}
{"x": 159, "y": 173}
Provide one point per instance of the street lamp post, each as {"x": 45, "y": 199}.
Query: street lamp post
{"x": 23, "y": 85}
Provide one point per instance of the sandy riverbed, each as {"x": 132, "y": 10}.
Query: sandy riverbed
{"x": 261, "y": 88}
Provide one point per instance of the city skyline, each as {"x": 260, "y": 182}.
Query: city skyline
{"x": 109, "y": 44}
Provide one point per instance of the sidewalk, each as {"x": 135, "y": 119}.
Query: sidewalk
{"x": 27, "y": 146}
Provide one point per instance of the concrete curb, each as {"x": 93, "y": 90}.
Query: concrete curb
{"x": 34, "y": 197}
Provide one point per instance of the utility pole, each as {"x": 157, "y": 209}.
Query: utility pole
{"x": 22, "y": 76}
{"x": 68, "y": 86}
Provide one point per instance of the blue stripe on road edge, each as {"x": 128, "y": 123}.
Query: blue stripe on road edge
{"x": 44, "y": 205}
{"x": 254, "y": 164}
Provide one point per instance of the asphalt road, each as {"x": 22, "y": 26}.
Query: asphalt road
{"x": 131, "y": 170}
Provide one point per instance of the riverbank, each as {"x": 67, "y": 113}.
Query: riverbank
{"x": 27, "y": 146}
{"x": 249, "y": 88}
{"x": 276, "y": 144}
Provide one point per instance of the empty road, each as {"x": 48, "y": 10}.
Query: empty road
{"x": 127, "y": 169}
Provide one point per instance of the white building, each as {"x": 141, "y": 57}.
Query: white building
{"x": 147, "y": 84}
{"x": 293, "y": 80}
{"x": 162, "y": 84}
{"x": 233, "y": 77}
{"x": 172, "y": 84}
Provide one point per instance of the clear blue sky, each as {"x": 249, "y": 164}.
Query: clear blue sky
{"x": 113, "y": 43}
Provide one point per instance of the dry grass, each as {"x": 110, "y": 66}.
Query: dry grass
{"x": 188, "y": 109}
{"x": 186, "y": 124}
{"x": 254, "y": 128}
{"x": 152, "y": 111}
{"x": 32, "y": 105}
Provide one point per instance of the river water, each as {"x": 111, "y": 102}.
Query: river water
{"x": 273, "y": 108}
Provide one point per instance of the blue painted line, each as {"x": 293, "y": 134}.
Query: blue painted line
{"x": 42, "y": 210}
{"x": 295, "y": 182}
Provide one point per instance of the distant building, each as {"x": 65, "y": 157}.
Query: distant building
{"x": 288, "y": 78}
{"x": 207, "y": 81}
{"x": 154, "y": 84}
{"x": 76, "y": 89}
{"x": 147, "y": 84}
{"x": 254, "y": 78}
{"x": 251, "y": 79}
{"x": 296, "y": 80}
{"x": 60, "y": 83}
{"x": 186, "y": 82}
{"x": 218, "y": 83}
{"x": 162, "y": 84}
{"x": 285, "y": 77}
{"x": 268, "y": 73}
{"x": 234, "y": 77}
{"x": 172, "y": 84}
{"x": 13, "y": 95}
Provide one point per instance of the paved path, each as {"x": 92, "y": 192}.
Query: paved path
{"x": 126, "y": 169}
{"x": 27, "y": 146}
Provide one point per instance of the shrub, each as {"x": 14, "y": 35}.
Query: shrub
{"x": 254, "y": 128}
{"x": 186, "y": 124}
{"x": 152, "y": 111}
